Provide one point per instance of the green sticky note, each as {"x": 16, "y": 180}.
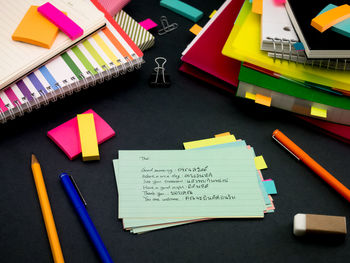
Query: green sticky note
{"x": 188, "y": 184}
{"x": 183, "y": 9}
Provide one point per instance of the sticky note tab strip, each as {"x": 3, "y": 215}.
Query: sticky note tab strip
{"x": 195, "y": 29}
{"x": 222, "y": 134}
{"x": 66, "y": 135}
{"x": 270, "y": 187}
{"x": 298, "y": 46}
{"x": 35, "y": 29}
{"x": 260, "y": 162}
{"x": 343, "y": 27}
{"x": 63, "y": 22}
{"x": 318, "y": 112}
{"x": 209, "y": 142}
{"x": 263, "y": 100}
{"x": 88, "y": 138}
{"x": 148, "y": 24}
{"x": 212, "y": 14}
{"x": 327, "y": 19}
{"x": 257, "y": 7}
{"x": 183, "y": 9}
{"x": 250, "y": 96}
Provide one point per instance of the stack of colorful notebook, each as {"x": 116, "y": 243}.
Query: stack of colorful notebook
{"x": 212, "y": 178}
{"x": 308, "y": 90}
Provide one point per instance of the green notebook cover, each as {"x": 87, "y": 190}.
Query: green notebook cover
{"x": 292, "y": 88}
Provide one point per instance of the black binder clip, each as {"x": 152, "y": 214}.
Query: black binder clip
{"x": 166, "y": 27}
{"x": 158, "y": 78}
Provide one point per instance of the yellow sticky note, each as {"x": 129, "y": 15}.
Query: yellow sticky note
{"x": 260, "y": 162}
{"x": 195, "y": 29}
{"x": 263, "y": 100}
{"x": 318, "y": 112}
{"x": 212, "y": 14}
{"x": 257, "y": 7}
{"x": 209, "y": 142}
{"x": 222, "y": 134}
{"x": 35, "y": 29}
{"x": 88, "y": 138}
{"x": 250, "y": 96}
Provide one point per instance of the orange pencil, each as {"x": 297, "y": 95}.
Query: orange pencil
{"x": 311, "y": 163}
{"x": 46, "y": 211}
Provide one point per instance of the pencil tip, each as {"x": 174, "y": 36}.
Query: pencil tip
{"x": 34, "y": 159}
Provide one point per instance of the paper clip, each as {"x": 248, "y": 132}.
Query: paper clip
{"x": 159, "y": 78}
{"x": 166, "y": 27}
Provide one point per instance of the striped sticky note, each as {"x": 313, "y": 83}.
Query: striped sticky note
{"x": 142, "y": 38}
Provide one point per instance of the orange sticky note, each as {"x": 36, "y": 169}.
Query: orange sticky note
{"x": 35, "y": 29}
{"x": 263, "y": 100}
{"x": 222, "y": 134}
{"x": 195, "y": 29}
{"x": 257, "y": 7}
{"x": 328, "y": 19}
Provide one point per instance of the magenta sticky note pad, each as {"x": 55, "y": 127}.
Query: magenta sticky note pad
{"x": 63, "y": 22}
{"x": 148, "y": 24}
{"x": 66, "y": 136}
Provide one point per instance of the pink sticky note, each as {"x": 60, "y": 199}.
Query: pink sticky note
{"x": 147, "y": 24}
{"x": 63, "y": 22}
{"x": 280, "y": 2}
{"x": 66, "y": 136}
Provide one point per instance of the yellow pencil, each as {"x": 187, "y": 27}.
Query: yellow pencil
{"x": 46, "y": 211}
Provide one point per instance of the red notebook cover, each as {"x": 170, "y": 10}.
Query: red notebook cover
{"x": 199, "y": 74}
{"x": 338, "y": 131}
{"x": 205, "y": 53}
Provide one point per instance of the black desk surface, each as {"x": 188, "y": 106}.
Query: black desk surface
{"x": 146, "y": 118}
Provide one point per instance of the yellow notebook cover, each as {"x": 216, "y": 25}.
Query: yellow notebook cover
{"x": 35, "y": 29}
{"x": 243, "y": 44}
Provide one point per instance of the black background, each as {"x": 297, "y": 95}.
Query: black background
{"x": 148, "y": 118}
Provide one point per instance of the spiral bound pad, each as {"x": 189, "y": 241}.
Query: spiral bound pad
{"x": 102, "y": 56}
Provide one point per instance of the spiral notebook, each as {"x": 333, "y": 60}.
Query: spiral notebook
{"x": 106, "y": 54}
{"x": 278, "y": 37}
{"x": 18, "y": 58}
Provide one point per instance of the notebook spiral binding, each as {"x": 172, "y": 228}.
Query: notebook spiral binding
{"x": 113, "y": 70}
{"x": 298, "y": 56}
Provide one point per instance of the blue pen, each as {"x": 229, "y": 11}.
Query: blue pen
{"x": 85, "y": 218}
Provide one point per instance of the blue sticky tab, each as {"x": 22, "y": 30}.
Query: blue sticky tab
{"x": 250, "y": 1}
{"x": 298, "y": 46}
{"x": 270, "y": 187}
{"x": 343, "y": 27}
{"x": 183, "y": 9}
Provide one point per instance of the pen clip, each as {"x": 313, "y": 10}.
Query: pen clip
{"x": 273, "y": 136}
{"x": 77, "y": 188}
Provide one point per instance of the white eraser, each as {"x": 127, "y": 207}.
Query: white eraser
{"x": 299, "y": 227}
{"x": 311, "y": 224}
